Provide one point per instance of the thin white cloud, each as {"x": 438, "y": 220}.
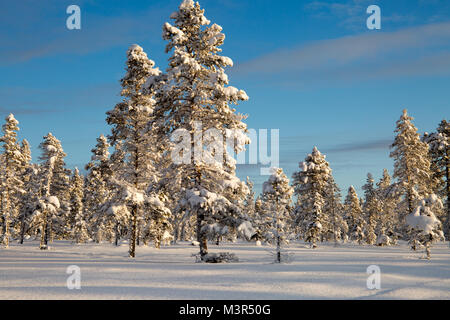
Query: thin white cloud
{"x": 416, "y": 50}
{"x": 40, "y": 34}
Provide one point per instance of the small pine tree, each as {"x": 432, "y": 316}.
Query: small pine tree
{"x": 30, "y": 200}
{"x": 78, "y": 221}
{"x": 354, "y": 216}
{"x": 425, "y": 227}
{"x": 388, "y": 221}
{"x": 309, "y": 185}
{"x": 371, "y": 209}
{"x": 98, "y": 190}
{"x": 276, "y": 201}
{"x": 334, "y": 211}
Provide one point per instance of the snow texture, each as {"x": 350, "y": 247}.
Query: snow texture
{"x": 327, "y": 272}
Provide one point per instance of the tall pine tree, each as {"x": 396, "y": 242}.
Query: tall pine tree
{"x": 195, "y": 100}
{"x": 11, "y": 183}
{"x": 439, "y": 148}
{"x": 411, "y": 165}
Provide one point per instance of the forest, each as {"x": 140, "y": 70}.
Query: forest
{"x": 136, "y": 189}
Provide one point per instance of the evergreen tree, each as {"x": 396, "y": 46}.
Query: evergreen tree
{"x": 194, "y": 99}
{"x": 310, "y": 186}
{"x": 354, "y": 216}
{"x": 371, "y": 209}
{"x": 439, "y": 150}
{"x": 52, "y": 183}
{"x": 78, "y": 220}
{"x": 388, "y": 221}
{"x": 11, "y": 184}
{"x": 411, "y": 165}
{"x": 130, "y": 120}
{"x": 334, "y": 211}
{"x": 98, "y": 190}
{"x": 30, "y": 200}
{"x": 276, "y": 199}
{"x": 425, "y": 227}
{"x": 25, "y": 198}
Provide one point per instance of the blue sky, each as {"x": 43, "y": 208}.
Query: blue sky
{"x": 312, "y": 70}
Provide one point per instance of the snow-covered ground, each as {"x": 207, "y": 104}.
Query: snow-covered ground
{"x": 171, "y": 273}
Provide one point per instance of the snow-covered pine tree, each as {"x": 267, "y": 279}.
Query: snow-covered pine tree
{"x": 249, "y": 203}
{"x": 25, "y": 176}
{"x": 411, "y": 165}
{"x": 258, "y": 219}
{"x": 334, "y": 211}
{"x": 248, "y": 206}
{"x": 10, "y": 182}
{"x": 195, "y": 99}
{"x": 354, "y": 216}
{"x": 77, "y": 222}
{"x": 276, "y": 200}
{"x": 439, "y": 148}
{"x": 52, "y": 181}
{"x": 30, "y": 200}
{"x": 425, "y": 227}
{"x": 388, "y": 222}
{"x": 98, "y": 190}
{"x": 371, "y": 209}
{"x": 130, "y": 120}
{"x": 59, "y": 188}
{"x": 309, "y": 185}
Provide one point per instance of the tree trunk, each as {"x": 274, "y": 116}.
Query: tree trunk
{"x": 175, "y": 233}
{"x": 6, "y": 219}
{"x": 6, "y": 234}
{"x": 117, "y": 235}
{"x": 23, "y": 229}
{"x": 278, "y": 249}
{"x": 203, "y": 244}
{"x": 447, "y": 177}
{"x": 183, "y": 231}
{"x": 132, "y": 251}
{"x": 44, "y": 234}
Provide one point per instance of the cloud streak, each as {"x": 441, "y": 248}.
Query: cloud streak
{"x": 25, "y": 111}
{"x": 422, "y": 50}
{"x": 382, "y": 144}
{"x": 41, "y": 33}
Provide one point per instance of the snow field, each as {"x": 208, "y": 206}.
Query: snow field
{"x": 327, "y": 272}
